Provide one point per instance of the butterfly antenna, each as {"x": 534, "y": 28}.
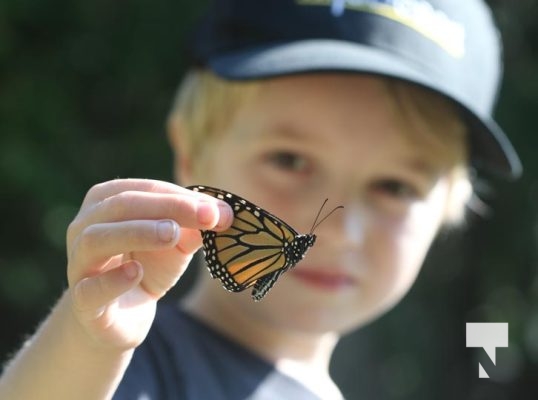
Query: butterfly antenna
{"x": 316, "y": 223}
{"x": 317, "y": 216}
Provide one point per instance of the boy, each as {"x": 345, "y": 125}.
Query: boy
{"x": 382, "y": 106}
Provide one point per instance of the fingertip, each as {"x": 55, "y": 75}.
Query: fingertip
{"x": 132, "y": 270}
{"x": 214, "y": 215}
{"x": 207, "y": 214}
{"x": 226, "y": 216}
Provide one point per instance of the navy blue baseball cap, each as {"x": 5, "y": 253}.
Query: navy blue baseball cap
{"x": 449, "y": 46}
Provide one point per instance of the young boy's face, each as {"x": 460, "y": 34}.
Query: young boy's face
{"x": 306, "y": 138}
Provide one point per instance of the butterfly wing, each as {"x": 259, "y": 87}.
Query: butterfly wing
{"x": 265, "y": 283}
{"x": 251, "y": 249}
{"x": 236, "y": 264}
{"x": 235, "y": 200}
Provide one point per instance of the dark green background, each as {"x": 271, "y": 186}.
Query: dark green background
{"x": 84, "y": 91}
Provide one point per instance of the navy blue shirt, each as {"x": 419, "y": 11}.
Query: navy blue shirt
{"x": 182, "y": 358}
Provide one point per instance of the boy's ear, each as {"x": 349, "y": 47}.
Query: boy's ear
{"x": 182, "y": 162}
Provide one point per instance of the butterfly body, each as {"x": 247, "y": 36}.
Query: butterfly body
{"x": 255, "y": 251}
{"x": 295, "y": 252}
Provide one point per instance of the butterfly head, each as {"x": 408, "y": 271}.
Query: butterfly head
{"x": 300, "y": 246}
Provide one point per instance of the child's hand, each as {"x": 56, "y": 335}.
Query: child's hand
{"x": 129, "y": 244}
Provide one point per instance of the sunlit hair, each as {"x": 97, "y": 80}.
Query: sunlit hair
{"x": 207, "y": 105}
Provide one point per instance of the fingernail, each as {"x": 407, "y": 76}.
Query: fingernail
{"x": 167, "y": 231}
{"x": 226, "y": 215}
{"x": 131, "y": 270}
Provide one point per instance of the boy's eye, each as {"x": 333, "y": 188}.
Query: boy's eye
{"x": 396, "y": 189}
{"x": 289, "y": 161}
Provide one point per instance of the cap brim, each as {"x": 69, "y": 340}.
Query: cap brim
{"x": 490, "y": 148}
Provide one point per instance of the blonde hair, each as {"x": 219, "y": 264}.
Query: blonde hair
{"x": 208, "y": 105}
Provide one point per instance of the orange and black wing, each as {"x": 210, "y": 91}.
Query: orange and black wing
{"x": 250, "y": 252}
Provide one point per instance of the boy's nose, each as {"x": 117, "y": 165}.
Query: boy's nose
{"x": 345, "y": 226}
{"x": 353, "y": 224}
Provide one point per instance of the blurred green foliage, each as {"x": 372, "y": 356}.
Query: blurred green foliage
{"x": 85, "y": 88}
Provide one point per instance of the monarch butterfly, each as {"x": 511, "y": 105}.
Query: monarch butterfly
{"x": 256, "y": 250}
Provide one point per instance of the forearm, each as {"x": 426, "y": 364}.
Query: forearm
{"x": 61, "y": 362}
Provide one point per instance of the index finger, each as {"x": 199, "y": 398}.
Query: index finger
{"x": 101, "y": 191}
{"x": 137, "y": 199}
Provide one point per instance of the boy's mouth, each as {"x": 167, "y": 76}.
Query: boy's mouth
{"x": 326, "y": 279}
